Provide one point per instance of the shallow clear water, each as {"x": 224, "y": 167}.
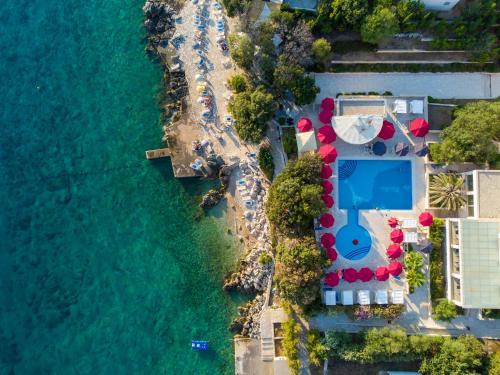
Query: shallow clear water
{"x": 371, "y": 184}
{"x": 103, "y": 269}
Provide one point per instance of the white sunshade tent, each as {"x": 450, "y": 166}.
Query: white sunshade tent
{"x": 306, "y": 142}
{"x": 357, "y": 130}
{"x": 381, "y": 297}
{"x": 364, "y": 297}
{"x": 347, "y": 297}
{"x": 400, "y": 106}
{"x": 330, "y": 297}
{"x": 417, "y": 106}
{"x": 398, "y": 297}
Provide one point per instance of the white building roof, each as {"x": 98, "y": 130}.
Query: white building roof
{"x": 480, "y": 263}
{"x": 357, "y": 130}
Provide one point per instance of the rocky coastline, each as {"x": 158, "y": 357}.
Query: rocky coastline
{"x": 253, "y": 275}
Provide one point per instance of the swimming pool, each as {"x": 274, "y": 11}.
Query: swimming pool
{"x": 364, "y": 185}
{"x": 371, "y": 184}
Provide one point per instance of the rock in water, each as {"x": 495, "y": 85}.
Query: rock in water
{"x": 211, "y": 198}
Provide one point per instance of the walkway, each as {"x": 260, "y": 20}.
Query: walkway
{"x": 437, "y": 85}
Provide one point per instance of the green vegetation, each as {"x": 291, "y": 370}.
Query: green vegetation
{"x": 344, "y": 14}
{"x": 235, "y": 7}
{"x": 436, "y": 262}
{"x": 289, "y": 143}
{"x": 252, "y": 111}
{"x": 321, "y": 49}
{"x": 491, "y": 313}
{"x": 441, "y": 355}
{"x": 444, "y": 310}
{"x": 471, "y": 135}
{"x": 494, "y": 365}
{"x": 412, "y": 15}
{"x": 445, "y": 191}
{"x": 464, "y": 355}
{"x": 298, "y": 269}
{"x": 379, "y": 25}
{"x": 238, "y": 83}
{"x": 242, "y": 50}
{"x": 266, "y": 162}
{"x": 414, "y": 275}
{"x": 363, "y": 312}
{"x": 317, "y": 350}
{"x": 295, "y": 196}
{"x": 265, "y": 258}
{"x": 293, "y": 78}
{"x": 291, "y": 330}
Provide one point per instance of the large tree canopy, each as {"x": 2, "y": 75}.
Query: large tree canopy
{"x": 288, "y": 76}
{"x": 299, "y": 267}
{"x": 379, "y": 25}
{"x": 348, "y": 14}
{"x": 242, "y": 50}
{"x": 295, "y": 196}
{"x": 471, "y": 134}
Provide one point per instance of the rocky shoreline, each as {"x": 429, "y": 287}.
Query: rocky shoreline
{"x": 253, "y": 275}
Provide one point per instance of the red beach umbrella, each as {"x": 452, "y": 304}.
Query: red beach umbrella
{"x": 393, "y": 222}
{"x": 304, "y": 124}
{"x": 326, "y": 171}
{"x": 328, "y": 104}
{"x": 325, "y": 116}
{"x": 332, "y": 279}
{"x": 419, "y": 127}
{"x": 326, "y": 220}
{"x": 381, "y": 273}
{"x": 387, "y": 131}
{"x": 395, "y": 268}
{"x": 328, "y": 152}
{"x": 425, "y": 219}
{"x": 365, "y": 274}
{"x": 327, "y": 186}
{"x": 326, "y": 134}
{"x": 327, "y": 240}
{"x": 394, "y": 251}
{"x": 332, "y": 254}
{"x": 328, "y": 199}
{"x": 397, "y": 236}
{"x": 350, "y": 275}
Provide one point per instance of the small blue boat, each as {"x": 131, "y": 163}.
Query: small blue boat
{"x": 199, "y": 345}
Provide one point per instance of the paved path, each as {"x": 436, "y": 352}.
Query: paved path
{"x": 437, "y": 85}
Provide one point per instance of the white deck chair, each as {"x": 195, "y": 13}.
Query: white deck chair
{"x": 330, "y": 297}
{"x": 398, "y": 296}
{"x": 347, "y": 297}
{"x": 410, "y": 237}
{"x": 364, "y": 297}
{"x": 409, "y": 223}
{"x": 381, "y": 297}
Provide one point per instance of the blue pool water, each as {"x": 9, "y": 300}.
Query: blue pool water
{"x": 369, "y": 184}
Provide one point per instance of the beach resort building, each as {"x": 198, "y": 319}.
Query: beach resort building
{"x": 473, "y": 244}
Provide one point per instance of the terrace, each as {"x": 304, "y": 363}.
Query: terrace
{"x": 370, "y": 183}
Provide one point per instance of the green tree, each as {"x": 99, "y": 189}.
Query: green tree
{"x": 445, "y": 191}
{"x": 235, "y": 7}
{"x": 298, "y": 269}
{"x": 445, "y": 310}
{"x": 321, "y": 49}
{"x": 411, "y": 15}
{"x": 379, "y": 25}
{"x": 295, "y": 195}
{"x": 291, "y": 330}
{"x": 237, "y": 83}
{"x": 471, "y": 135}
{"x": 317, "y": 350}
{"x": 348, "y": 14}
{"x": 266, "y": 162}
{"x": 414, "y": 275}
{"x": 292, "y": 77}
{"x": 252, "y": 111}
{"x": 415, "y": 279}
{"x": 464, "y": 355}
{"x": 494, "y": 365}
{"x": 242, "y": 50}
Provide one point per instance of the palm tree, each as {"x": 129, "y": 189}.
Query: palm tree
{"x": 445, "y": 191}
{"x": 413, "y": 260}
{"x": 415, "y": 279}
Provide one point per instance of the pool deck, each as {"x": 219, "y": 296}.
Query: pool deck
{"x": 375, "y": 221}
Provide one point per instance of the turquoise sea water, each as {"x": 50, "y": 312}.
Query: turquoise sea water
{"x": 102, "y": 268}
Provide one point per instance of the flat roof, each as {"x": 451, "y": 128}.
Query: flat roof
{"x": 480, "y": 263}
{"x": 488, "y": 187}
{"x": 302, "y": 4}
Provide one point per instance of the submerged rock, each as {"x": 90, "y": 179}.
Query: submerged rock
{"x": 212, "y": 198}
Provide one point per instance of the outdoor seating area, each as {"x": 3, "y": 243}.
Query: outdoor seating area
{"x": 367, "y": 254}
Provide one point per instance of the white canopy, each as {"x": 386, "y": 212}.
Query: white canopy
{"x": 347, "y": 297}
{"x": 400, "y": 106}
{"x": 417, "y": 106}
{"x": 306, "y": 142}
{"x": 398, "y": 296}
{"x": 357, "y": 130}
{"x": 330, "y": 297}
{"x": 381, "y": 297}
{"x": 364, "y": 297}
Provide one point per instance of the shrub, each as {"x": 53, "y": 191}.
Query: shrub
{"x": 265, "y": 258}
{"x": 288, "y": 76}
{"x": 237, "y": 83}
{"x": 414, "y": 275}
{"x": 494, "y": 365}
{"x": 242, "y": 50}
{"x": 291, "y": 330}
{"x": 266, "y": 162}
{"x": 321, "y": 49}
{"x": 317, "y": 350}
{"x": 444, "y": 310}
{"x": 379, "y": 25}
{"x": 289, "y": 142}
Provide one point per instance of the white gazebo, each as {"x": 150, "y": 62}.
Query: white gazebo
{"x": 306, "y": 142}
{"x": 357, "y": 130}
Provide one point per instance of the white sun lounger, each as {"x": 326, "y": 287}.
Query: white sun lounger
{"x": 330, "y": 297}
{"x": 410, "y": 237}
{"x": 381, "y": 297}
{"x": 397, "y": 296}
{"x": 400, "y": 106}
{"x": 364, "y": 297}
{"x": 408, "y": 223}
{"x": 347, "y": 297}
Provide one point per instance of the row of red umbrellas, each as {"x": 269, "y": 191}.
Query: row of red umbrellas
{"x": 365, "y": 274}
{"x": 418, "y": 127}
{"x": 425, "y": 219}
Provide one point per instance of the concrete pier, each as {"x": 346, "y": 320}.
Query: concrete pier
{"x": 159, "y": 153}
